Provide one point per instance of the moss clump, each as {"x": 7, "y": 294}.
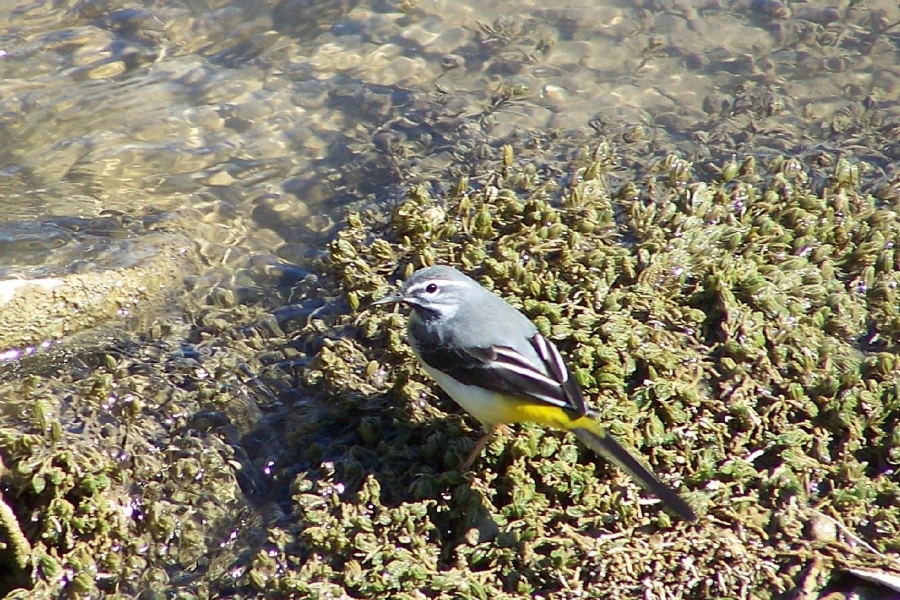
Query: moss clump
{"x": 737, "y": 329}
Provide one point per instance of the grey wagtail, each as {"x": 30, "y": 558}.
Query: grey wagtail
{"x": 491, "y": 359}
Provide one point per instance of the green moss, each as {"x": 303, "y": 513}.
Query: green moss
{"x": 728, "y": 339}
{"x": 737, "y": 329}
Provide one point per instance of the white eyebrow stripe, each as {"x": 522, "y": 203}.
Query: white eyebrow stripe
{"x": 443, "y": 282}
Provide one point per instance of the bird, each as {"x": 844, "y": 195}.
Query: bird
{"x": 494, "y": 363}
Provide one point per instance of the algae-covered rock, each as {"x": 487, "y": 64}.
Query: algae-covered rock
{"x": 37, "y": 313}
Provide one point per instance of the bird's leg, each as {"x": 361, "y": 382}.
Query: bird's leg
{"x": 479, "y": 446}
{"x": 489, "y": 430}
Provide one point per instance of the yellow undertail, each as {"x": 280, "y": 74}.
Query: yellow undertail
{"x": 592, "y": 435}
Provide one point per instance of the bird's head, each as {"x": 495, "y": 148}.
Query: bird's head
{"x": 436, "y": 292}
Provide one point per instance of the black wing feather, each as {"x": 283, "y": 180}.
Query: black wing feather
{"x": 557, "y": 366}
{"x": 504, "y": 370}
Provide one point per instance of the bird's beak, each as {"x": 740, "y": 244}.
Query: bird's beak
{"x": 392, "y": 299}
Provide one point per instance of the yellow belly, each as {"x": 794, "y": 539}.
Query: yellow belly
{"x": 495, "y": 409}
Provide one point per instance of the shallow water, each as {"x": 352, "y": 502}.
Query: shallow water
{"x": 270, "y": 119}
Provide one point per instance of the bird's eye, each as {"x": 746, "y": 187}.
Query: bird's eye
{"x": 431, "y": 288}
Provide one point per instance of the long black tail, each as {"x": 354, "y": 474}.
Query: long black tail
{"x": 607, "y": 447}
